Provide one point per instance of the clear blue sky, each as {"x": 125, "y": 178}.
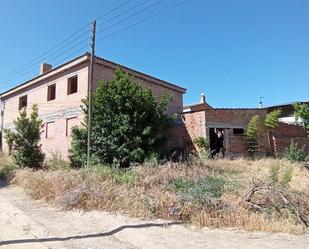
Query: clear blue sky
{"x": 234, "y": 51}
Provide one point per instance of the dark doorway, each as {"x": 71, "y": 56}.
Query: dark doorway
{"x": 216, "y": 140}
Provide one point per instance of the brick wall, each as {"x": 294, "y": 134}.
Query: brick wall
{"x": 237, "y": 144}
{"x": 285, "y": 133}
{"x": 198, "y": 123}
{"x": 195, "y": 126}
{"x": 60, "y": 114}
{"x": 105, "y": 70}
{"x": 238, "y": 118}
{"x": 54, "y": 113}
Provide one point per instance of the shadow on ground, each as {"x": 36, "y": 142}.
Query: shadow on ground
{"x": 95, "y": 235}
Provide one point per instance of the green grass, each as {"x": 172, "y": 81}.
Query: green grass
{"x": 120, "y": 176}
{"x": 201, "y": 192}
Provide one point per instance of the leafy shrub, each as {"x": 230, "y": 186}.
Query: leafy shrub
{"x": 6, "y": 168}
{"x": 202, "y": 143}
{"x": 301, "y": 112}
{"x": 78, "y": 148}
{"x": 294, "y": 153}
{"x": 25, "y": 139}
{"x": 128, "y": 123}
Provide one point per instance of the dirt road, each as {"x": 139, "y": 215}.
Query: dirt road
{"x": 25, "y": 223}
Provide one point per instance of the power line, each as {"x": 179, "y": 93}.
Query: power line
{"x": 143, "y": 20}
{"x": 68, "y": 40}
{"x": 131, "y": 16}
{"x": 55, "y": 57}
{"x": 31, "y": 65}
{"x": 48, "y": 51}
{"x": 44, "y": 55}
{"x": 58, "y": 63}
{"x": 34, "y": 63}
{"x": 124, "y": 12}
{"x": 59, "y": 44}
{"x": 113, "y": 10}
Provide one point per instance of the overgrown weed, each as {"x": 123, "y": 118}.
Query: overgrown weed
{"x": 201, "y": 193}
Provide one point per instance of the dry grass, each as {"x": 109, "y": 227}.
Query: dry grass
{"x": 200, "y": 193}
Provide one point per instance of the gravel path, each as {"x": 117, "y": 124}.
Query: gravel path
{"x": 26, "y": 223}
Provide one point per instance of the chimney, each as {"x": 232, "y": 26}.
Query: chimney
{"x": 261, "y": 103}
{"x": 44, "y": 68}
{"x": 202, "y": 99}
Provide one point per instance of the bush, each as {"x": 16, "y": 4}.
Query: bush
{"x": 294, "y": 153}
{"x": 128, "y": 124}
{"x": 202, "y": 143}
{"x": 6, "y": 167}
{"x": 25, "y": 139}
{"x": 301, "y": 112}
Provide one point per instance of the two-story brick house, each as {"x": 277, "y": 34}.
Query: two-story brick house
{"x": 58, "y": 93}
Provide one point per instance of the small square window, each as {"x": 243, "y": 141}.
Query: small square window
{"x": 51, "y": 92}
{"x": 72, "y": 85}
{"x": 238, "y": 131}
{"x": 23, "y": 102}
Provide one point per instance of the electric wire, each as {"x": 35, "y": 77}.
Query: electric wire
{"x": 131, "y": 16}
{"x": 123, "y": 13}
{"x": 44, "y": 55}
{"x": 65, "y": 43}
{"x": 48, "y": 51}
{"x": 142, "y": 21}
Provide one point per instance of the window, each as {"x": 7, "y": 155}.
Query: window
{"x": 23, "y": 102}
{"x": 71, "y": 122}
{"x": 51, "y": 92}
{"x": 50, "y": 130}
{"x": 238, "y": 131}
{"x": 72, "y": 85}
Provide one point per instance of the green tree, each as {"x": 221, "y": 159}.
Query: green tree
{"x": 271, "y": 123}
{"x": 127, "y": 123}
{"x": 25, "y": 139}
{"x": 301, "y": 111}
{"x": 251, "y": 133}
{"x": 272, "y": 119}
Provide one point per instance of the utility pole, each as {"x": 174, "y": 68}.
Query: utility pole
{"x": 90, "y": 93}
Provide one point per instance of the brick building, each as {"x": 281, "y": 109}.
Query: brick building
{"x": 289, "y": 129}
{"x": 58, "y": 93}
{"x": 224, "y": 127}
